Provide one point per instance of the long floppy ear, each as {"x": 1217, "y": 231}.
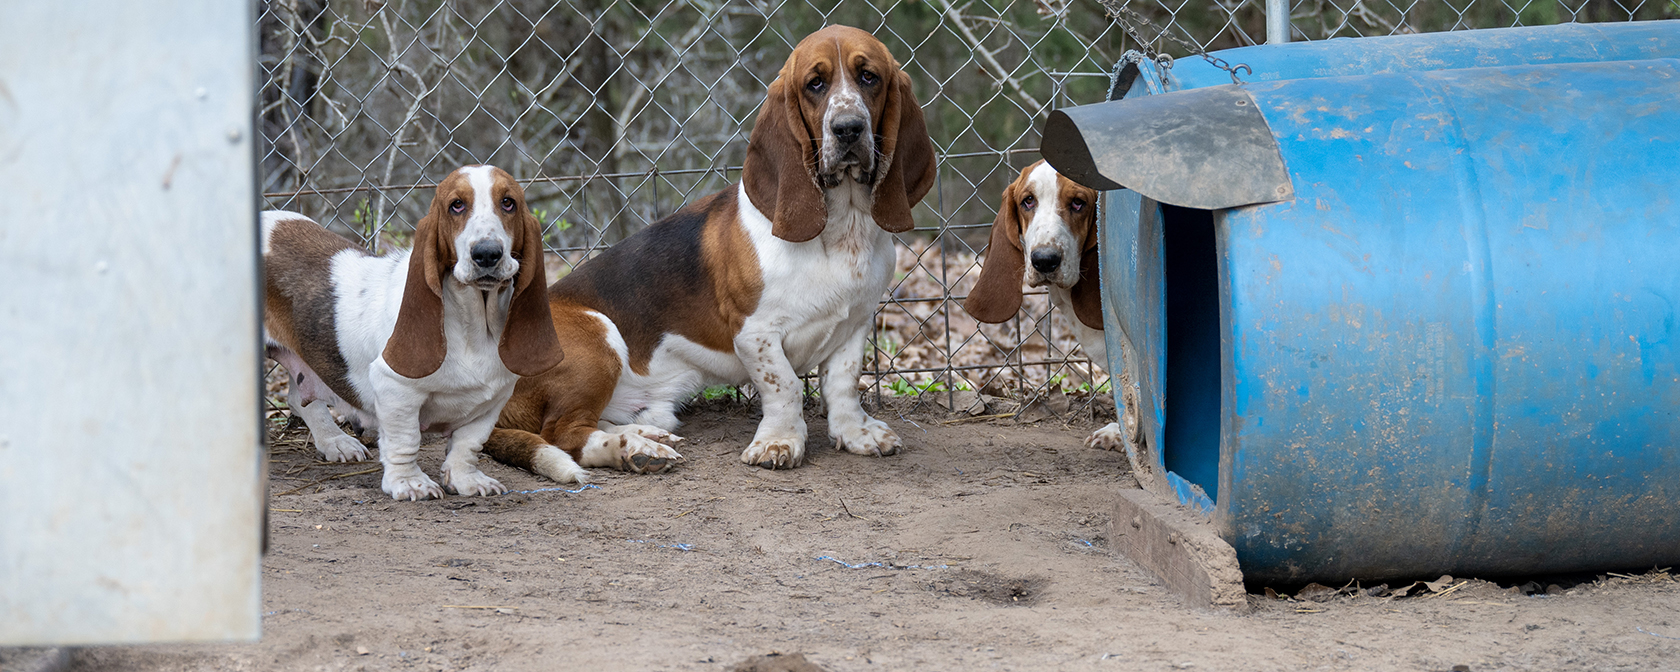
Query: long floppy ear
{"x": 529, "y": 345}
{"x": 908, "y": 154}
{"x": 1087, "y": 292}
{"x": 417, "y": 348}
{"x": 778, "y": 170}
{"x": 997, "y": 295}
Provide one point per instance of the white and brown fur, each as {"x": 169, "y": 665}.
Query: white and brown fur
{"x": 759, "y": 283}
{"x": 429, "y": 340}
{"x": 1045, "y": 235}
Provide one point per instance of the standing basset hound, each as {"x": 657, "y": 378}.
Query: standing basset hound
{"x": 430, "y": 340}
{"x": 1044, "y": 224}
{"x": 759, "y": 283}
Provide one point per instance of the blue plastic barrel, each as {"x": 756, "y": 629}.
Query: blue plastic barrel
{"x": 1452, "y": 347}
{"x": 1339, "y": 57}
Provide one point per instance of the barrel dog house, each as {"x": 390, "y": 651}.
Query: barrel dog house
{"x": 1401, "y": 306}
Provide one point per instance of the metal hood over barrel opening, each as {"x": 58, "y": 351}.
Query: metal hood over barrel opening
{"x": 1208, "y": 148}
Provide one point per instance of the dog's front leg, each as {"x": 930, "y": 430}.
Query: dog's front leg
{"x": 309, "y": 397}
{"x": 330, "y": 440}
{"x": 399, "y": 435}
{"x": 460, "y": 467}
{"x": 780, "y": 441}
{"x": 852, "y": 429}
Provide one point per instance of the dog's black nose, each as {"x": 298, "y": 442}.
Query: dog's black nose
{"x": 1046, "y": 260}
{"x": 487, "y": 253}
{"x": 848, "y": 130}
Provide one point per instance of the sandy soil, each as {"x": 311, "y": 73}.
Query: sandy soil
{"x": 982, "y": 546}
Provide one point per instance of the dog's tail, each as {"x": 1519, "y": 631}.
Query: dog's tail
{"x": 528, "y": 451}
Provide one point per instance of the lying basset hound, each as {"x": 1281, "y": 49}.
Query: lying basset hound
{"x": 759, "y": 283}
{"x": 429, "y": 340}
{"x": 1045, "y": 235}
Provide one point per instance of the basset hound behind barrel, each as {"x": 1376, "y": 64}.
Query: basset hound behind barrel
{"x": 1045, "y": 235}
{"x": 759, "y": 283}
{"x": 428, "y": 340}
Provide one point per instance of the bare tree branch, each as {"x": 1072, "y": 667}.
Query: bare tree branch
{"x": 997, "y": 70}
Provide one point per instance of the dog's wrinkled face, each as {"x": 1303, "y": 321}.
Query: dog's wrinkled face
{"x": 482, "y": 211}
{"x": 843, "y": 75}
{"x": 1057, "y": 219}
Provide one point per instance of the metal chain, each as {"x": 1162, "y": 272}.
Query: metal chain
{"x": 1131, "y": 22}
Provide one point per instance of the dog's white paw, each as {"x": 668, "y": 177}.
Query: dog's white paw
{"x": 413, "y": 487}
{"x": 775, "y": 453}
{"x": 648, "y": 449}
{"x": 873, "y": 437}
{"x": 1108, "y": 438}
{"x": 470, "y": 481}
{"x": 640, "y": 449}
{"x": 341, "y": 448}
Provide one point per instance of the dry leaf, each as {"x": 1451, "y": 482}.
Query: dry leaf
{"x": 1316, "y": 592}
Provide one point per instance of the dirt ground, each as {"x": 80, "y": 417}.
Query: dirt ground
{"x": 982, "y": 546}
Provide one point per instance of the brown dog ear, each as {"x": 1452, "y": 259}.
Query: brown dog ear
{"x": 778, "y": 172}
{"x": 908, "y": 154}
{"x": 417, "y": 348}
{"x": 1087, "y": 293}
{"x": 997, "y": 294}
{"x": 529, "y": 345}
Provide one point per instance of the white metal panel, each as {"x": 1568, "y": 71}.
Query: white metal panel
{"x": 131, "y": 481}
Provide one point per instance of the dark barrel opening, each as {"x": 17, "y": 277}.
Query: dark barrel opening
{"x": 1192, "y": 403}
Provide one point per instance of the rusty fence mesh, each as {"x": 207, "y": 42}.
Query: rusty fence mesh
{"x": 616, "y": 112}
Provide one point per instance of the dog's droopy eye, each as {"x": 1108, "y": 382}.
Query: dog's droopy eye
{"x": 815, "y": 85}
{"x": 507, "y": 204}
{"x": 1077, "y": 205}
{"x": 457, "y": 206}
{"x": 1029, "y": 203}
{"x": 867, "y": 78}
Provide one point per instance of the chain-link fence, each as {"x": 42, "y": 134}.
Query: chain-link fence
{"x": 616, "y": 112}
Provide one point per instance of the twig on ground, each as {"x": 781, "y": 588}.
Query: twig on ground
{"x": 849, "y": 510}
{"x": 329, "y": 478}
{"x": 1449, "y": 591}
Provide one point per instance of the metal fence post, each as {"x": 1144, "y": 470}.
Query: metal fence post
{"x": 1277, "y": 21}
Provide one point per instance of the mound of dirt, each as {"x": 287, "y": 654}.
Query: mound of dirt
{"x": 777, "y": 662}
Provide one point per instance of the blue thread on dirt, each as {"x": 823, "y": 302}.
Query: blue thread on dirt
{"x": 882, "y": 565}
{"x": 586, "y": 487}
{"x": 1648, "y": 632}
{"x": 680, "y": 547}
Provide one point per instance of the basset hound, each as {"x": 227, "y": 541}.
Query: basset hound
{"x": 758, "y": 283}
{"x": 429, "y": 340}
{"x": 1045, "y": 235}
